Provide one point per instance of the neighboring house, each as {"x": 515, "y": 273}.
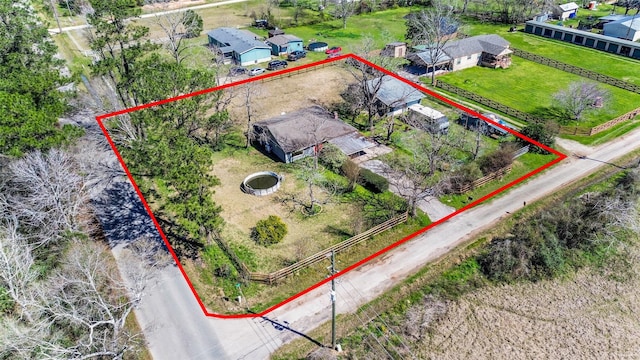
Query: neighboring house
{"x": 393, "y": 96}
{"x": 239, "y": 46}
{"x": 301, "y": 133}
{"x": 627, "y": 28}
{"x": 395, "y": 49}
{"x": 284, "y": 44}
{"x": 607, "y": 19}
{"x": 566, "y": 11}
{"x": 486, "y": 50}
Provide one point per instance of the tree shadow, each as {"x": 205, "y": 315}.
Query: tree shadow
{"x": 122, "y": 216}
{"x": 553, "y": 113}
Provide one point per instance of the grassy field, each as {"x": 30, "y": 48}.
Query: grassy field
{"x": 599, "y": 61}
{"x": 529, "y": 87}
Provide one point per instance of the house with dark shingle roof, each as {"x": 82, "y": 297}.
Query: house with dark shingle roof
{"x": 284, "y": 44}
{"x": 239, "y": 46}
{"x": 302, "y": 133}
{"x": 486, "y": 50}
{"x": 393, "y": 96}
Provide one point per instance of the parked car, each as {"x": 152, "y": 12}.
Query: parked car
{"x": 237, "y": 71}
{"x": 333, "y": 50}
{"x": 333, "y": 55}
{"x": 256, "y": 71}
{"x": 295, "y": 55}
{"x": 277, "y": 64}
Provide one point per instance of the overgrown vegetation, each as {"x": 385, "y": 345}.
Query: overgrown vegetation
{"x": 593, "y": 228}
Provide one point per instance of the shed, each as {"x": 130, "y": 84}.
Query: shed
{"x": 395, "y": 49}
{"x": 284, "y": 44}
{"x": 301, "y": 133}
{"x": 239, "y": 46}
{"x": 627, "y": 28}
{"x": 275, "y": 32}
{"x": 566, "y": 11}
{"x": 393, "y": 96}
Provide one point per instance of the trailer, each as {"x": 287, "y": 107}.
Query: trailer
{"x": 428, "y": 119}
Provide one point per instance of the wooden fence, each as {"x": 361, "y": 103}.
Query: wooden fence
{"x": 483, "y": 180}
{"x": 575, "y": 130}
{"x": 565, "y": 130}
{"x": 275, "y": 276}
{"x": 521, "y": 115}
{"x": 577, "y": 70}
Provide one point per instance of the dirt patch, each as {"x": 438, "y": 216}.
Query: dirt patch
{"x": 317, "y": 86}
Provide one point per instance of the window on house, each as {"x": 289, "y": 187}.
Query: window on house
{"x": 458, "y": 61}
{"x": 469, "y": 57}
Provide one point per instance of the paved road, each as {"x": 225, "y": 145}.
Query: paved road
{"x": 144, "y": 16}
{"x": 178, "y": 329}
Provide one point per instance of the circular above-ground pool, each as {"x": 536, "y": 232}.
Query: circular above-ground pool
{"x": 318, "y": 46}
{"x": 261, "y": 183}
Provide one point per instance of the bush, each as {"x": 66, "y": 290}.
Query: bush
{"x": 379, "y": 208}
{"x": 544, "y": 134}
{"x": 464, "y": 176}
{"x": 496, "y": 160}
{"x": 372, "y": 181}
{"x": 331, "y": 157}
{"x": 269, "y": 231}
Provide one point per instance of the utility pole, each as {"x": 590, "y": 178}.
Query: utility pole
{"x": 333, "y": 300}
{"x": 55, "y": 14}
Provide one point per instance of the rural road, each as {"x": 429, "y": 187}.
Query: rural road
{"x": 176, "y": 327}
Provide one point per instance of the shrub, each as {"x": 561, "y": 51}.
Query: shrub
{"x": 496, "y": 160}
{"x": 269, "y": 231}
{"x": 464, "y": 176}
{"x": 332, "y": 157}
{"x": 544, "y": 134}
{"x": 372, "y": 181}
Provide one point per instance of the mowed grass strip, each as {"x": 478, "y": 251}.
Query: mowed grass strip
{"x": 529, "y": 87}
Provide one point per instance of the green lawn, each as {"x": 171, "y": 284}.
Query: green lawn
{"x": 382, "y": 26}
{"x": 529, "y": 87}
{"x": 599, "y": 61}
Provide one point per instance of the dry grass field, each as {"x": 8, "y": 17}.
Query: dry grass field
{"x": 320, "y": 85}
{"x": 593, "y": 315}
{"x": 306, "y": 235}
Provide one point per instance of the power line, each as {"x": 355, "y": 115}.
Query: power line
{"x": 380, "y": 318}
{"x": 368, "y": 333}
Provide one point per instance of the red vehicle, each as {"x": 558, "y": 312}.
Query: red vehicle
{"x": 333, "y": 50}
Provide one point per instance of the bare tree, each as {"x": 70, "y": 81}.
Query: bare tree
{"x": 249, "y": 91}
{"x": 17, "y": 273}
{"x": 433, "y": 27}
{"x": 580, "y": 97}
{"x": 87, "y": 298}
{"x": 52, "y": 197}
{"x": 343, "y": 10}
{"x": 173, "y": 25}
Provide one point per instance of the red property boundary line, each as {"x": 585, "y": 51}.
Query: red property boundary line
{"x": 100, "y": 119}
